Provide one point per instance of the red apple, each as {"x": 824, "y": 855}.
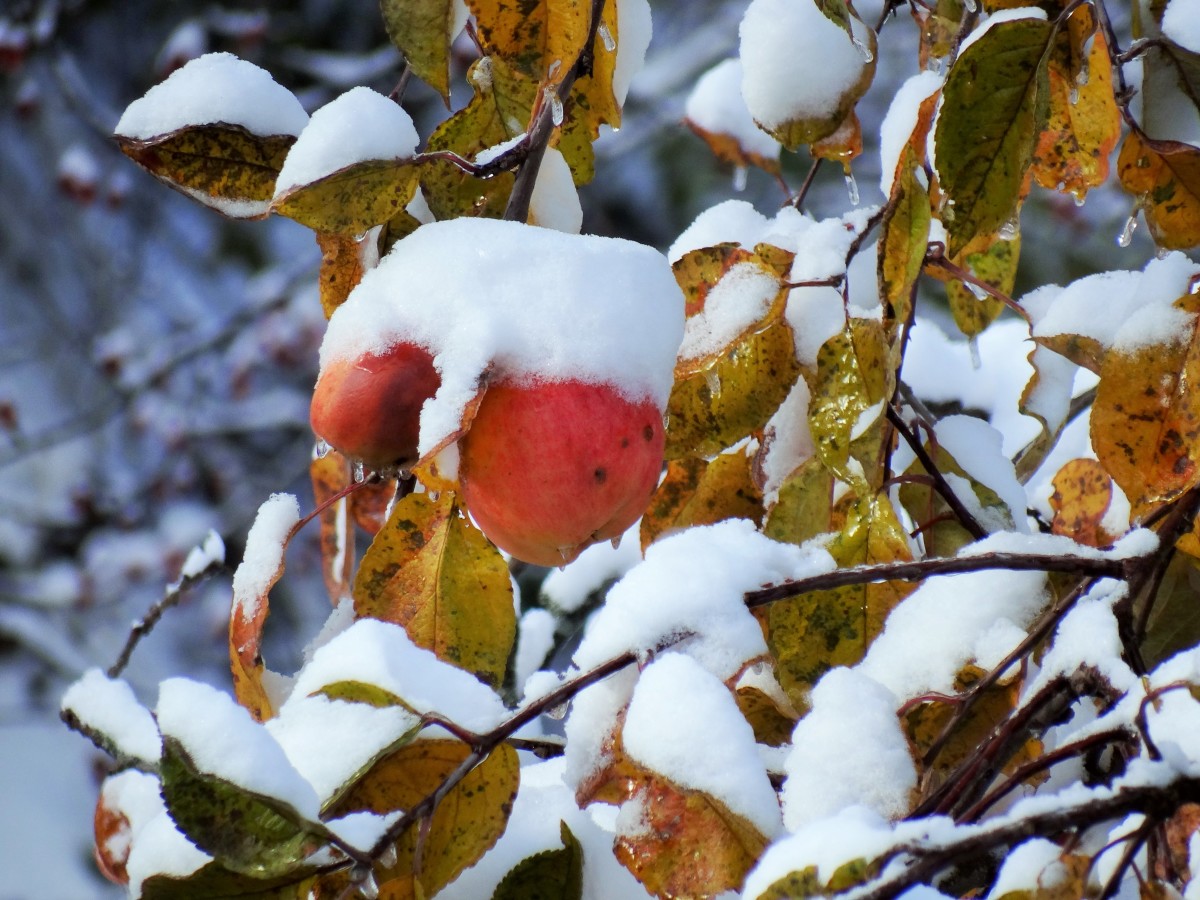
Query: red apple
{"x": 549, "y": 468}
{"x": 370, "y": 408}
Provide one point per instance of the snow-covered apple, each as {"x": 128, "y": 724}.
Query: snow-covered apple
{"x": 549, "y": 468}
{"x": 369, "y": 407}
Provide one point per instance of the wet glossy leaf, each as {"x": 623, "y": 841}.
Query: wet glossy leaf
{"x": 223, "y": 166}
{"x": 244, "y": 832}
{"x": 854, "y": 378}
{"x": 843, "y": 145}
{"x": 331, "y": 474}
{"x": 341, "y": 269}
{"x": 540, "y": 38}
{"x": 700, "y": 492}
{"x": 369, "y": 505}
{"x": 421, "y": 29}
{"x": 692, "y": 845}
{"x": 432, "y": 572}
{"x": 215, "y": 882}
{"x": 903, "y": 239}
{"x": 812, "y": 633}
{"x": 804, "y": 505}
{"x": 717, "y": 408}
{"x": 1082, "y": 493}
{"x": 925, "y": 722}
{"x": 1165, "y": 178}
{"x": 698, "y": 271}
{"x": 996, "y": 266}
{"x": 1084, "y": 124}
{"x": 549, "y": 875}
{"x": 354, "y": 199}
{"x": 465, "y": 825}
{"x": 1146, "y": 419}
{"x": 772, "y": 724}
{"x": 1174, "y": 622}
{"x": 995, "y": 105}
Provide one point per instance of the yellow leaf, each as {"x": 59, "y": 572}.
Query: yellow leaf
{"x": 804, "y": 505}
{"x": 540, "y": 38}
{"x": 351, "y": 200}
{"x": 421, "y": 30}
{"x": 592, "y": 101}
{"x": 432, "y": 572}
{"x": 814, "y": 632}
{"x": 341, "y": 269}
{"x": 903, "y": 240}
{"x": 1146, "y": 418}
{"x": 996, "y": 266}
{"x": 465, "y": 825}
{"x": 716, "y": 408}
{"x": 1165, "y": 177}
{"x": 843, "y": 145}
{"x": 699, "y": 492}
{"x": 223, "y": 166}
{"x": 772, "y": 724}
{"x": 1082, "y": 493}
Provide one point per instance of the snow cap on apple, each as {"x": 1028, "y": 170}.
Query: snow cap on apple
{"x": 572, "y": 340}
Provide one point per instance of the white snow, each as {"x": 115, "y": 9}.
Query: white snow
{"x": 634, "y": 29}
{"x": 1033, "y": 865}
{"x": 555, "y": 202}
{"x": 692, "y": 583}
{"x": 222, "y": 739}
{"x": 381, "y": 654}
{"x": 704, "y": 744}
{"x": 263, "y": 559}
{"x": 107, "y": 706}
{"x": 216, "y": 87}
{"x": 529, "y": 303}
{"x": 849, "y": 750}
{"x": 568, "y": 588}
{"x": 787, "y": 441}
{"x": 732, "y": 221}
{"x": 358, "y": 126}
{"x": 716, "y": 106}
{"x": 535, "y": 640}
{"x": 1181, "y": 23}
{"x": 159, "y": 848}
{"x": 976, "y": 447}
{"x": 211, "y": 552}
{"x": 734, "y": 305}
{"x": 900, "y": 121}
{"x": 797, "y": 63}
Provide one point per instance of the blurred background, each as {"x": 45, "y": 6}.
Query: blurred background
{"x": 156, "y": 359}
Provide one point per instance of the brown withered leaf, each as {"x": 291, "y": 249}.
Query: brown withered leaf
{"x": 113, "y": 836}
{"x": 1082, "y": 494}
{"x": 465, "y": 825}
{"x": 432, "y": 572}
{"x": 1165, "y": 178}
{"x": 1146, "y": 418}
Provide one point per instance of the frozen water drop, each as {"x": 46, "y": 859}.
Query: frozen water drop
{"x": 388, "y": 858}
{"x": 360, "y": 237}
{"x": 1161, "y": 253}
{"x": 434, "y": 496}
{"x": 863, "y": 50}
{"x": 1010, "y": 229}
{"x": 852, "y": 189}
{"x": 713, "y": 381}
{"x": 616, "y": 542}
{"x": 558, "y": 713}
{"x": 606, "y": 37}
{"x": 977, "y": 291}
{"x": 554, "y": 67}
{"x": 556, "y": 107}
{"x": 1125, "y": 238}
{"x": 1080, "y": 198}
{"x": 1073, "y": 96}
{"x": 934, "y": 64}
{"x": 360, "y": 471}
{"x": 321, "y": 449}
{"x": 1083, "y": 75}
{"x": 740, "y": 175}
{"x": 976, "y": 359}
{"x": 971, "y": 6}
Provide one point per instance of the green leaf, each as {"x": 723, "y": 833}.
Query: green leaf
{"x": 804, "y": 505}
{"x": 352, "y": 199}
{"x": 996, "y": 266}
{"x": 223, "y": 166}
{"x": 549, "y": 875}
{"x": 837, "y": 13}
{"x": 421, "y": 30}
{"x": 215, "y": 882}
{"x": 995, "y": 103}
{"x": 244, "y": 832}
{"x": 1174, "y": 623}
{"x": 434, "y": 573}
{"x": 903, "y": 239}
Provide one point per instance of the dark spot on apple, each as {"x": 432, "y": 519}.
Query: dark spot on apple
{"x": 624, "y": 443}
{"x": 600, "y": 475}
{"x": 648, "y": 433}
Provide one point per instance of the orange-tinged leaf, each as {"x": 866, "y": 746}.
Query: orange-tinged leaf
{"x": 369, "y": 505}
{"x": 223, "y": 166}
{"x": 434, "y": 573}
{"x": 1082, "y": 494}
{"x": 700, "y": 492}
{"x": 422, "y": 31}
{"x": 996, "y": 266}
{"x": 341, "y": 269}
{"x": 1084, "y": 125}
{"x": 814, "y": 632}
{"x": 843, "y": 145}
{"x": 541, "y": 38}
{"x": 691, "y": 846}
{"x": 1165, "y": 178}
{"x": 465, "y": 825}
{"x": 1146, "y": 418}
{"x": 113, "y": 836}
{"x": 330, "y": 475}
{"x": 354, "y": 199}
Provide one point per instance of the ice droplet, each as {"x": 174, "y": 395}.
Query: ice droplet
{"x": 863, "y": 50}
{"x": 740, "y": 174}
{"x": 433, "y": 496}
{"x": 321, "y": 449}
{"x": 976, "y": 359}
{"x": 556, "y": 107}
{"x": 978, "y": 292}
{"x": 971, "y": 6}
{"x": 360, "y": 471}
{"x": 852, "y": 189}
{"x": 1010, "y": 229}
{"x": 360, "y": 237}
{"x": 934, "y": 65}
{"x": 1125, "y": 238}
{"x": 616, "y": 542}
{"x": 1080, "y": 198}
{"x": 713, "y": 381}
{"x": 558, "y": 713}
{"x": 1161, "y": 253}
{"x": 610, "y": 43}
{"x": 1084, "y": 74}
{"x": 388, "y": 858}
{"x": 1073, "y": 96}
{"x": 554, "y": 67}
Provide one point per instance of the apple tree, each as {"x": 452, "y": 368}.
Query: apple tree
{"x": 813, "y": 632}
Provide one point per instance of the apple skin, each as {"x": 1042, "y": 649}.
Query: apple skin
{"x": 549, "y": 468}
{"x": 369, "y": 408}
